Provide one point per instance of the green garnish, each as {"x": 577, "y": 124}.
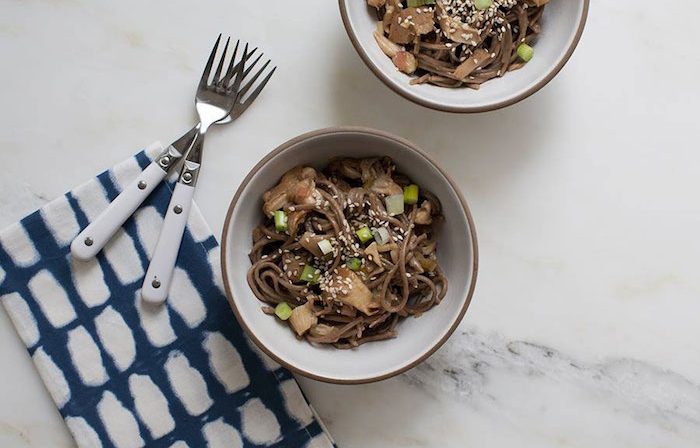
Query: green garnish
{"x": 364, "y": 234}
{"x": 283, "y": 310}
{"x": 525, "y": 52}
{"x": 417, "y": 3}
{"x": 354, "y": 264}
{"x": 410, "y": 194}
{"x": 394, "y": 204}
{"x": 482, "y": 4}
{"x": 310, "y": 275}
{"x": 281, "y": 221}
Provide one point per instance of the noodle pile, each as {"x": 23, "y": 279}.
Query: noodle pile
{"x": 347, "y": 305}
{"x": 453, "y": 43}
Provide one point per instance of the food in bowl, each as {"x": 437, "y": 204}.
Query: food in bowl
{"x": 458, "y": 43}
{"x": 345, "y": 253}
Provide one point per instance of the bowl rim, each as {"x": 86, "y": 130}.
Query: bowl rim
{"x": 329, "y": 131}
{"x": 463, "y": 109}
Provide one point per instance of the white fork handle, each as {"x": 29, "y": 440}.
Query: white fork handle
{"x": 96, "y": 235}
{"x": 156, "y": 285}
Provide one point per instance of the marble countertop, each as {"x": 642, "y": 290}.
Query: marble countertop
{"x": 583, "y": 331}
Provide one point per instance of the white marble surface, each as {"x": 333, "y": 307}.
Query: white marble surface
{"x": 584, "y": 328}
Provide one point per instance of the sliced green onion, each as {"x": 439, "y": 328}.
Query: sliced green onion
{"x": 364, "y": 234}
{"x": 483, "y": 4}
{"x": 417, "y": 3}
{"x": 283, "y": 310}
{"x": 525, "y": 52}
{"x": 325, "y": 246}
{"x": 394, "y": 204}
{"x": 281, "y": 221}
{"x": 381, "y": 235}
{"x": 410, "y": 194}
{"x": 354, "y": 264}
{"x": 310, "y": 274}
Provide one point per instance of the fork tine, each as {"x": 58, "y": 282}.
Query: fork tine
{"x": 210, "y": 62}
{"x": 217, "y": 73}
{"x": 240, "y": 69}
{"x": 230, "y": 69}
{"x": 249, "y": 69}
{"x": 247, "y": 87}
{"x": 248, "y": 101}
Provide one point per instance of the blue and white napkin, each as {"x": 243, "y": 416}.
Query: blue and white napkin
{"x": 128, "y": 375}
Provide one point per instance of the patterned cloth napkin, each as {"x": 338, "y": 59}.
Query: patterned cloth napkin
{"x": 128, "y": 375}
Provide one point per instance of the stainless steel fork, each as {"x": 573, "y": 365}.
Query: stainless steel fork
{"x": 213, "y": 104}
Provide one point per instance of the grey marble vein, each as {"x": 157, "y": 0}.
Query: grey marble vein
{"x": 474, "y": 365}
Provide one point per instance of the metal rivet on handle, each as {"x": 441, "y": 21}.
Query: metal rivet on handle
{"x": 187, "y": 177}
{"x": 177, "y": 209}
{"x": 156, "y": 283}
{"x": 165, "y": 161}
{"x": 142, "y": 185}
{"x": 88, "y": 241}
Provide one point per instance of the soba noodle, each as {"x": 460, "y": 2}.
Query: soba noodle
{"x": 454, "y": 43}
{"x": 359, "y": 288}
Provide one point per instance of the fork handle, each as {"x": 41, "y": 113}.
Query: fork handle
{"x": 156, "y": 284}
{"x": 98, "y": 233}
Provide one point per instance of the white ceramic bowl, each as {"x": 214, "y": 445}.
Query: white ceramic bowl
{"x": 418, "y": 338}
{"x": 562, "y": 26}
